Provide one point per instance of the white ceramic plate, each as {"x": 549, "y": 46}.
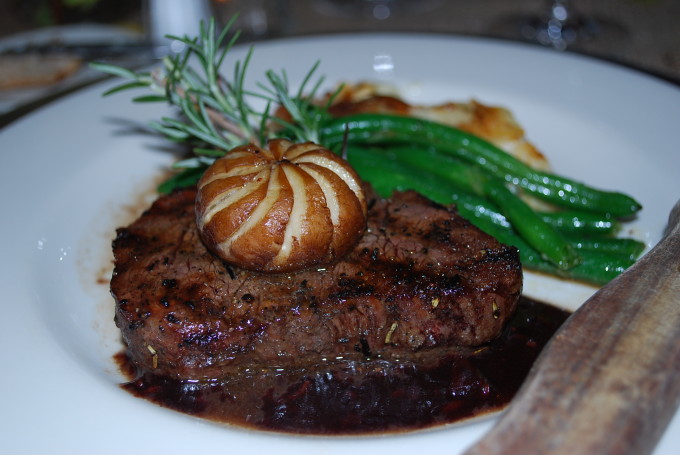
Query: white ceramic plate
{"x": 75, "y": 170}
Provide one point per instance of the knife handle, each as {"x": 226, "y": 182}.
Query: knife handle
{"x": 608, "y": 382}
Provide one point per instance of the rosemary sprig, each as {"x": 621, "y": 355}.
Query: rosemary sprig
{"x": 218, "y": 113}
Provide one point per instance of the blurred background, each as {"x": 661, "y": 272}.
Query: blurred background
{"x": 45, "y": 43}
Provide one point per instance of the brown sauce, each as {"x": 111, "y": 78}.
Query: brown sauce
{"x": 370, "y": 396}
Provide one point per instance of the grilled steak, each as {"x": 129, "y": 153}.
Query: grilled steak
{"x": 420, "y": 277}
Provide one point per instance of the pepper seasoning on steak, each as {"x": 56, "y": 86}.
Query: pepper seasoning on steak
{"x": 420, "y": 278}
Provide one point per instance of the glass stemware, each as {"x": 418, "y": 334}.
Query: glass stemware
{"x": 560, "y": 25}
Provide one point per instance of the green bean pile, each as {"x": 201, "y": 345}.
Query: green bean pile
{"x": 576, "y": 240}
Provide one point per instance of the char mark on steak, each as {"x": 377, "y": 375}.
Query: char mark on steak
{"x": 421, "y": 277}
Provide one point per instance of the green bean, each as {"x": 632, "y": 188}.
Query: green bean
{"x": 382, "y": 129}
{"x": 387, "y": 176}
{"x": 595, "y": 267}
{"x": 531, "y": 227}
{"x": 624, "y": 247}
{"x": 572, "y": 222}
{"x": 462, "y": 174}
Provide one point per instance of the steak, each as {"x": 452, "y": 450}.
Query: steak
{"x": 420, "y": 278}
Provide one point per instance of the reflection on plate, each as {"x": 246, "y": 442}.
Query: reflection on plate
{"x": 75, "y": 170}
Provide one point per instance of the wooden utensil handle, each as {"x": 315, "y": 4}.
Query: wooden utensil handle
{"x": 608, "y": 382}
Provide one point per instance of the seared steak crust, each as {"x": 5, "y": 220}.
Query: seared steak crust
{"x": 420, "y": 277}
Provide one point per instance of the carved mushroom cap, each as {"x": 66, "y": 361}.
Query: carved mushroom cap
{"x": 282, "y": 208}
